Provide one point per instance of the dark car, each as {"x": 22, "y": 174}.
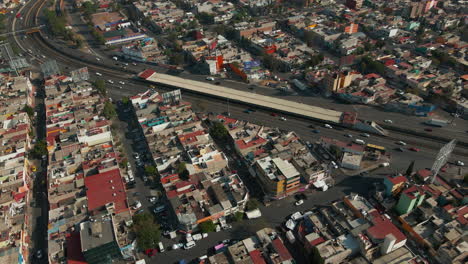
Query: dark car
{"x": 217, "y": 83}
{"x": 316, "y": 131}
{"x": 428, "y": 129}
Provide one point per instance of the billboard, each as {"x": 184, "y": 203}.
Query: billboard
{"x": 172, "y": 97}
{"x": 80, "y": 74}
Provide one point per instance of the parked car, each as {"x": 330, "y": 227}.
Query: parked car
{"x": 177, "y": 246}
{"x": 460, "y": 163}
{"x": 209, "y": 78}
{"x": 190, "y": 245}
{"x": 300, "y": 202}
{"x": 334, "y": 165}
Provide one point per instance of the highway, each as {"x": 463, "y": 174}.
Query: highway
{"x": 275, "y": 213}
{"x": 107, "y": 67}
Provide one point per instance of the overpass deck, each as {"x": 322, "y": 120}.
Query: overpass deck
{"x": 262, "y": 101}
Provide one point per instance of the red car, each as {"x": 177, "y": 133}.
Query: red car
{"x": 274, "y": 114}
{"x": 414, "y": 149}
{"x": 151, "y": 252}
{"x": 428, "y": 129}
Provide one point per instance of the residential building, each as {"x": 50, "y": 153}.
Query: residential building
{"x": 394, "y": 184}
{"x": 410, "y": 199}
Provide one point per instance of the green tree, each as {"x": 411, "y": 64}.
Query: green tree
{"x": 39, "y": 149}
{"x": 238, "y": 216}
{"x": 89, "y": 8}
{"x": 252, "y": 204}
{"x": 28, "y": 109}
{"x": 100, "y": 86}
{"x": 336, "y": 151}
{"x": 176, "y": 58}
{"x": 315, "y": 256}
{"x": 219, "y": 131}
{"x": 109, "y": 110}
{"x": 205, "y": 18}
{"x": 207, "y": 226}
{"x": 147, "y": 231}
{"x": 125, "y": 100}
{"x": 182, "y": 171}
{"x": 151, "y": 170}
{"x": 368, "y": 65}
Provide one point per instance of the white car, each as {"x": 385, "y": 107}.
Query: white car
{"x": 137, "y": 205}
{"x": 365, "y": 135}
{"x": 110, "y": 81}
{"x": 153, "y": 200}
{"x": 283, "y": 118}
{"x": 349, "y": 135}
{"x": 134, "y": 64}
{"x": 334, "y": 165}
{"x": 401, "y": 143}
{"x": 98, "y": 59}
{"x": 460, "y": 163}
{"x": 98, "y": 74}
{"x": 327, "y": 126}
{"x": 209, "y": 78}
{"x": 388, "y": 121}
{"x": 299, "y": 202}
{"x": 190, "y": 245}
{"x": 122, "y": 82}
{"x": 177, "y": 246}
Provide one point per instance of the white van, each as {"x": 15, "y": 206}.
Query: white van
{"x": 359, "y": 141}
{"x": 161, "y": 247}
{"x": 189, "y": 245}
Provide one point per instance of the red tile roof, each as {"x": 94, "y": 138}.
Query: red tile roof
{"x": 317, "y": 241}
{"x": 397, "y": 180}
{"x": 281, "y": 250}
{"x": 257, "y": 257}
{"x": 74, "y": 254}
{"x": 146, "y": 73}
{"x": 227, "y": 120}
{"x": 99, "y": 190}
{"x": 243, "y": 145}
{"x": 413, "y": 190}
{"x": 382, "y": 227}
{"x": 190, "y": 138}
{"x": 424, "y": 173}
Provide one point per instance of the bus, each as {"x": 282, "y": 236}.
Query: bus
{"x": 372, "y": 147}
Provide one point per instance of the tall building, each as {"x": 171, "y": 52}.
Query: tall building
{"x": 99, "y": 242}
{"x": 336, "y": 81}
{"x": 352, "y": 28}
{"x": 420, "y": 7}
{"x": 410, "y": 199}
{"x": 278, "y": 177}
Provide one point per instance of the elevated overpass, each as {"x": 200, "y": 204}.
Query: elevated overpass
{"x": 261, "y": 101}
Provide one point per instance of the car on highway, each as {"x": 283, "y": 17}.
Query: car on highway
{"x": 122, "y": 82}
{"x": 209, "y": 78}
{"x": 283, "y": 118}
{"x": 247, "y": 111}
{"x": 349, "y": 135}
{"x": 388, "y": 121}
{"x": 316, "y": 131}
{"x": 428, "y": 129}
{"x": 98, "y": 74}
{"x": 365, "y": 135}
{"x": 327, "y": 126}
{"x": 300, "y": 202}
{"x": 274, "y": 114}
{"x": 414, "y": 149}
{"x": 401, "y": 143}
{"x": 460, "y": 163}
{"x": 400, "y": 149}
{"x": 134, "y": 64}
{"x": 217, "y": 82}
{"x": 110, "y": 81}
{"x": 98, "y": 59}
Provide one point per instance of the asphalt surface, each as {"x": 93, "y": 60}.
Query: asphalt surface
{"x": 276, "y": 213}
